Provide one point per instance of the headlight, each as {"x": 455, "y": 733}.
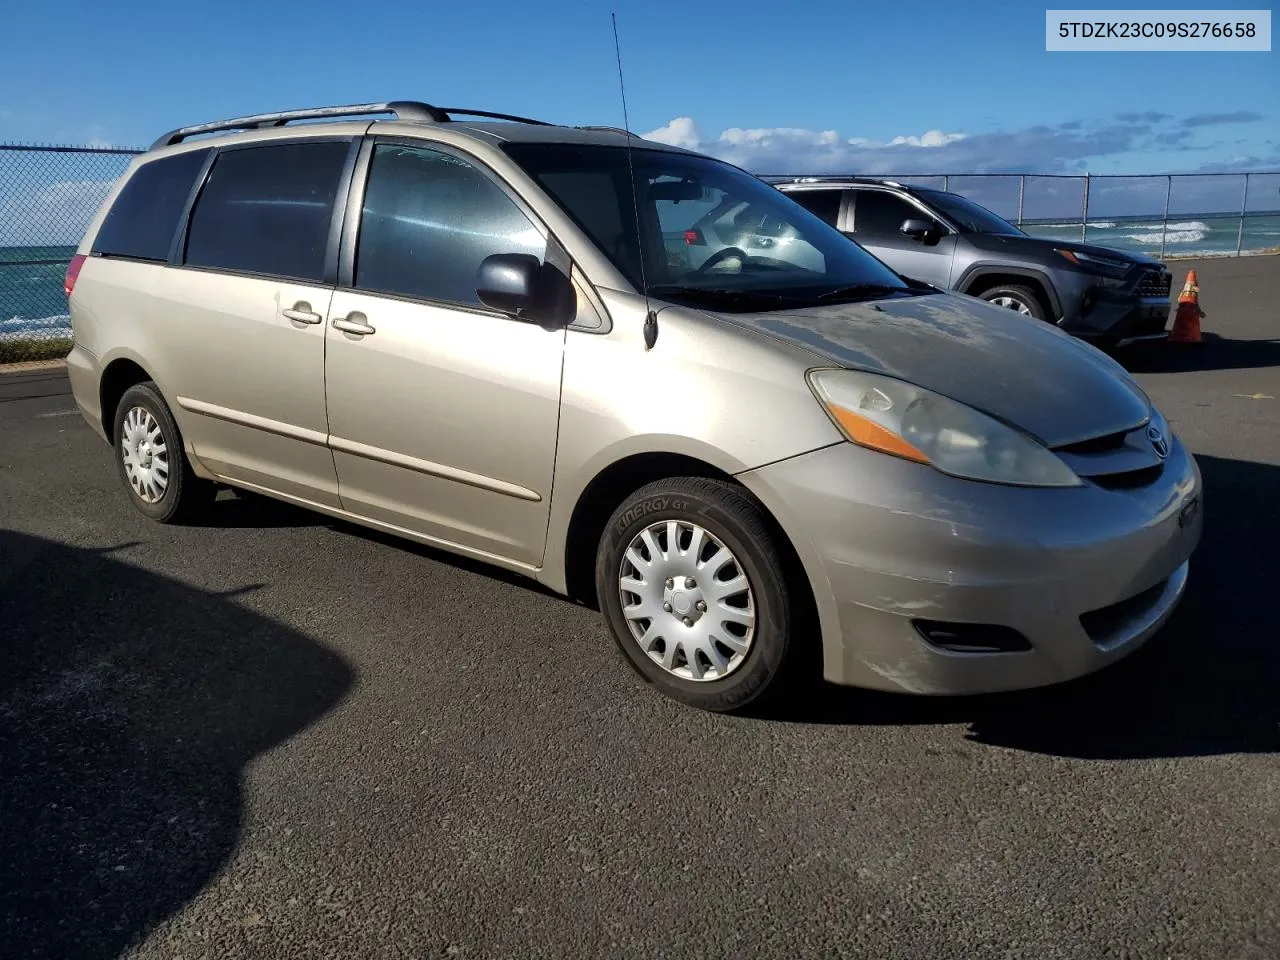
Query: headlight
{"x": 1096, "y": 263}
{"x": 901, "y": 419}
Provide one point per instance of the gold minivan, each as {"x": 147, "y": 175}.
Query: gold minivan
{"x": 639, "y": 375}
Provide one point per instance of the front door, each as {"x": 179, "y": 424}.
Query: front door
{"x": 443, "y": 413}
{"x": 877, "y": 222}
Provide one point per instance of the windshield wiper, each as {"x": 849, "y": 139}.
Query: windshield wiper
{"x": 714, "y": 296}
{"x": 865, "y": 291}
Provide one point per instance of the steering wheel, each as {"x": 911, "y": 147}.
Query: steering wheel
{"x": 724, "y": 253}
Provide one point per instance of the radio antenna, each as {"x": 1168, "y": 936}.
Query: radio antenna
{"x": 650, "y": 318}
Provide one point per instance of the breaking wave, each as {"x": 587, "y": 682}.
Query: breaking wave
{"x": 59, "y": 326}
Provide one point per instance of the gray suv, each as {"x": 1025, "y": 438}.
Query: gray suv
{"x": 1109, "y": 297}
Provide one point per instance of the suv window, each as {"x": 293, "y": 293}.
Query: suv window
{"x": 824, "y": 203}
{"x": 267, "y": 210}
{"x": 880, "y": 213}
{"x": 429, "y": 220}
{"x": 142, "y": 221}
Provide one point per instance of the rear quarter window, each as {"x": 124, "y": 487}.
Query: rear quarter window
{"x": 142, "y": 221}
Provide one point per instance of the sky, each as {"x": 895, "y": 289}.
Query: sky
{"x": 822, "y": 87}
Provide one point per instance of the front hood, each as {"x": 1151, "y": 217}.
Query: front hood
{"x": 1025, "y": 372}
{"x": 1039, "y": 246}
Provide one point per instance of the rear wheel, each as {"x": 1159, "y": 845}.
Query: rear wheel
{"x": 691, "y": 583}
{"x": 1015, "y": 297}
{"x": 151, "y": 460}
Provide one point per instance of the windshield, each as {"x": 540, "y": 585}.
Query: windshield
{"x": 709, "y": 234}
{"x": 969, "y": 216}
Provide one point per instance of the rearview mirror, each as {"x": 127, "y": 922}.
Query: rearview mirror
{"x": 521, "y": 285}
{"x": 925, "y": 231}
{"x": 674, "y": 191}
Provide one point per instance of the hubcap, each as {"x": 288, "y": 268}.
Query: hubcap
{"x": 145, "y": 455}
{"x": 687, "y": 601}
{"x": 1012, "y": 303}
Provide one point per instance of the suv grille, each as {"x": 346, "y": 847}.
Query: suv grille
{"x": 1155, "y": 283}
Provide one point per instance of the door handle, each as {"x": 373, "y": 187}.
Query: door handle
{"x": 354, "y": 322}
{"x": 301, "y": 312}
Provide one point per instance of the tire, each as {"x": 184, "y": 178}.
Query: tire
{"x": 145, "y": 436}
{"x": 739, "y": 664}
{"x": 1022, "y": 299}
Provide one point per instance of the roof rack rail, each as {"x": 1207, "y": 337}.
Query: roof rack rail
{"x": 402, "y": 110}
{"x": 605, "y": 128}
{"x": 462, "y": 112}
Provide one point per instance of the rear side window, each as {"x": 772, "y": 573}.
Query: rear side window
{"x": 824, "y": 203}
{"x": 429, "y": 220}
{"x": 879, "y": 213}
{"x": 268, "y": 209}
{"x": 142, "y": 221}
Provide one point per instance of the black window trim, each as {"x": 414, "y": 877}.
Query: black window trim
{"x": 910, "y": 198}
{"x": 177, "y": 252}
{"x": 553, "y": 253}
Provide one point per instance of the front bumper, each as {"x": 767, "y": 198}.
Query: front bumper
{"x": 888, "y": 543}
{"x": 1137, "y": 310}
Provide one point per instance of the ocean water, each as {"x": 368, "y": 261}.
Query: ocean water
{"x": 31, "y": 297}
{"x": 1204, "y": 235}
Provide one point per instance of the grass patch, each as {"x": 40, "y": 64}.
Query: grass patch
{"x": 28, "y": 349}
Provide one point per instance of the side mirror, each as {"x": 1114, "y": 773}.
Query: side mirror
{"x": 923, "y": 230}
{"x": 523, "y": 286}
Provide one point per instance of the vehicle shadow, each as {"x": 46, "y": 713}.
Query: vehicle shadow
{"x": 130, "y": 705}
{"x": 1215, "y": 353}
{"x": 242, "y": 509}
{"x": 1205, "y": 685}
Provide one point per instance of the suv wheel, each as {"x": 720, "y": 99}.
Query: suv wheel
{"x": 151, "y": 460}
{"x": 689, "y": 580}
{"x": 1013, "y": 297}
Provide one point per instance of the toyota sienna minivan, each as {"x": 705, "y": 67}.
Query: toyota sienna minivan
{"x": 477, "y": 331}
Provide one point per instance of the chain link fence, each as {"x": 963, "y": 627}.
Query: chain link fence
{"x": 48, "y": 195}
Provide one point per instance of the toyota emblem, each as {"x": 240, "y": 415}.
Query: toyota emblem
{"x": 1158, "y": 442}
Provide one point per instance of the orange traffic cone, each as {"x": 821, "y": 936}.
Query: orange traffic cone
{"x": 1186, "y": 323}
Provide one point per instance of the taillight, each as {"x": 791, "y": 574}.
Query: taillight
{"x": 693, "y": 238}
{"x": 73, "y": 271}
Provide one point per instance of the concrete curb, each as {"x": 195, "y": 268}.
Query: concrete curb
{"x": 30, "y": 366}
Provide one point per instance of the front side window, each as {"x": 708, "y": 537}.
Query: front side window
{"x": 691, "y": 229}
{"x": 143, "y": 220}
{"x": 267, "y": 210}
{"x": 971, "y": 217}
{"x": 429, "y": 220}
{"x": 878, "y": 213}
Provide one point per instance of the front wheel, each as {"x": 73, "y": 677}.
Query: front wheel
{"x": 1017, "y": 298}
{"x": 691, "y": 583}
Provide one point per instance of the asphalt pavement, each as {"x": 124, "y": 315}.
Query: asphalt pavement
{"x": 279, "y": 736}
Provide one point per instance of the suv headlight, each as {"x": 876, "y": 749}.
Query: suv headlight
{"x": 1095, "y": 263}
{"x": 901, "y": 419}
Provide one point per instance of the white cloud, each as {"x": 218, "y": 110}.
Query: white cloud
{"x": 680, "y": 132}
{"x": 934, "y": 138}
{"x": 54, "y": 215}
{"x": 1066, "y": 148}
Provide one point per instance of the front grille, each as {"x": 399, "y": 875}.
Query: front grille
{"x": 1114, "y": 461}
{"x": 1130, "y": 478}
{"x": 1155, "y": 283}
{"x": 1105, "y": 624}
{"x": 1112, "y": 441}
